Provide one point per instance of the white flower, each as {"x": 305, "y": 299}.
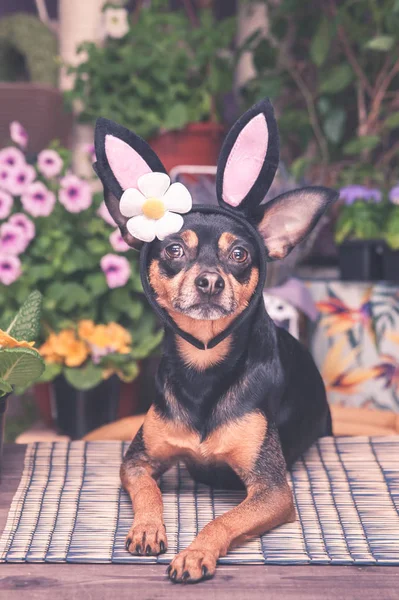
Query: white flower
{"x": 153, "y": 207}
{"x": 116, "y": 22}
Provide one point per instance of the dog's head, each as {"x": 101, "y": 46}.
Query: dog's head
{"x": 208, "y": 268}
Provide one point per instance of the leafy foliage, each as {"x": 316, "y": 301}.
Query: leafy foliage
{"x": 332, "y": 69}
{"x": 163, "y": 74}
{"x": 391, "y": 233}
{"x": 361, "y": 221}
{"x": 26, "y": 323}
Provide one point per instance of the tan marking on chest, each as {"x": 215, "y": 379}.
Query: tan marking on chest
{"x": 236, "y": 443}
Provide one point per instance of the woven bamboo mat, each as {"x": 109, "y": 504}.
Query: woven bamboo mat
{"x": 69, "y": 507}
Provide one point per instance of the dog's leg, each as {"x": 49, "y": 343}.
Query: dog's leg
{"x": 268, "y": 503}
{"x": 147, "y": 535}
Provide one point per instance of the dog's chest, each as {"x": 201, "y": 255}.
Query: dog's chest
{"x": 236, "y": 443}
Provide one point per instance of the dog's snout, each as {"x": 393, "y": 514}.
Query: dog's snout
{"x": 209, "y": 283}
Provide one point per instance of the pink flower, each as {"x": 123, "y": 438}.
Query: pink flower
{"x": 5, "y": 204}
{"x": 20, "y": 178}
{"x": 103, "y": 212}
{"x": 117, "y": 242}
{"x": 20, "y": 220}
{"x": 38, "y": 201}
{"x": 49, "y": 163}
{"x": 11, "y": 157}
{"x": 89, "y": 148}
{"x": 116, "y": 269}
{"x": 75, "y": 194}
{"x": 12, "y": 239}
{"x": 18, "y": 134}
{"x": 394, "y": 195}
{"x": 10, "y": 268}
{"x": 5, "y": 176}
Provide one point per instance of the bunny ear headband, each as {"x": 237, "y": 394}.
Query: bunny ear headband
{"x": 146, "y": 206}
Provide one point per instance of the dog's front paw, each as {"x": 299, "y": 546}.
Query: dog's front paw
{"x": 191, "y": 566}
{"x": 147, "y": 539}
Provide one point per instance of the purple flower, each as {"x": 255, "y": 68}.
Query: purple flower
{"x": 6, "y": 202}
{"x": 117, "y": 242}
{"x": 12, "y": 239}
{"x": 103, "y": 212}
{"x": 89, "y": 148}
{"x": 116, "y": 269}
{"x": 20, "y": 178}
{"x": 10, "y": 268}
{"x": 18, "y": 134}
{"x": 394, "y": 195}
{"x": 351, "y": 193}
{"x": 20, "y": 220}
{"x": 11, "y": 157}
{"x": 38, "y": 201}
{"x": 75, "y": 194}
{"x": 49, "y": 163}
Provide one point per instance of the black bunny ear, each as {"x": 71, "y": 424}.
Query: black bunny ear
{"x": 122, "y": 158}
{"x": 248, "y": 159}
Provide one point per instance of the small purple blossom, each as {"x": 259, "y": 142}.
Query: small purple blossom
{"x": 12, "y": 157}
{"x": 10, "y": 268}
{"x": 103, "y": 212}
{"x": 394, "y": 195}
{"x": 351, "y": 193}
{"x": 21, "y": 177}
{"x": 6, "y": 203}
{"x": 38, "y": 201}
{"x": 116, "y": 269}
{"x": 49, "y": 163}
{"x": 117, "y": 242}
{"x": 23, "y": 222}
{"x": 18, "y": 134}
{"x": 89, "y": 148}
{"x": 75, "y": 194}
{"x": 12, "y": 239}
{"x": 98, "y": 353}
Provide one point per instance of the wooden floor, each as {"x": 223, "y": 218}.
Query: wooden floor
{"x": 148, "y": 582}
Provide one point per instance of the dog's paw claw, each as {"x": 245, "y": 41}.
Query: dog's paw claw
{"x": 191, "y": 566}
{"x": 148, "y": 540}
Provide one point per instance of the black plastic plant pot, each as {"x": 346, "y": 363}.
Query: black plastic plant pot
{"x": 3, "y": 408}
{"x": 391, "y": 264}
{"x": 79, "y": 412}
{"x": 361, "y": 260}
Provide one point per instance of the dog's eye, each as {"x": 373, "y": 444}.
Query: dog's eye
{"x": 239, "y": 255}
{"x": 174, "y": 251}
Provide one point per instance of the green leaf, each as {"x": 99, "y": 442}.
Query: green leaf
{"x": 320, "y": 44}
{"x": 333, "y": 125}
{"x": 20, "y": 366}
{"x": 392, "y": 121}
{"x": 357, "y": 145}
{"x": 96, "y": 283}
{"x": 26, "y": 323}
{"x": 50, "y": 372}
{"x": 381, "y": 43}
{"x": 176, "y": 117}
{"x": 5, "y": 387}
{"x": 337, "y": 79}
{"x": 84, "y": 378}
{"x": 147, "y": 345}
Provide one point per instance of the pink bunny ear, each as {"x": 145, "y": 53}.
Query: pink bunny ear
{"x": 122, "y": 157}
{"x": 249, "y": 159}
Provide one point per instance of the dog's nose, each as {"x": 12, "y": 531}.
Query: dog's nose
{"x": 210, "y": 283}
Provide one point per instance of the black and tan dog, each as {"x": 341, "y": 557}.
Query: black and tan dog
{"x": 238, "y": 400}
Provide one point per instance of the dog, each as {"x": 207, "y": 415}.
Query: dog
{"x": 238, "y": 399}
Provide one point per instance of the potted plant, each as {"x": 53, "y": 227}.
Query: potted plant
{"x": 391, "y": 237}
{"x": 29, "y": 79}
{"x": 57, "y": 236}
{"x": 20, "y": 363}
{"x": 358, "y": 233}
{"x": 161, "y": 74}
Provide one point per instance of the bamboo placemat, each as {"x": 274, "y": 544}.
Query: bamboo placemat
{"x": 69, "y": 507}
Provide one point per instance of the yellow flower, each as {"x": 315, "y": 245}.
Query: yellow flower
{"x": 85, "y": 329}
{"x": 99, "y": 337}
{"x": 64, "y": 347}
{"x": 77, "y": 354}
{"x": 120, "y": 338}
{"x": 6, "y": 341}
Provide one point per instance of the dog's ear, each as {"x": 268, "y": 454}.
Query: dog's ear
{"x": 286, "y": 220}
{"x": 122, "y": 158}
{"x": 248, "y": 159}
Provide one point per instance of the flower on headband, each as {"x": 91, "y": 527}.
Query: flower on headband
{"x": 153, "y": 207}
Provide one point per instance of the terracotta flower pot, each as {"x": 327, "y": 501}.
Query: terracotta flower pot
{"x": 195, "y": 144}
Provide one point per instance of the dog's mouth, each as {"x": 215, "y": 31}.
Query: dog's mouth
{"x": 205, "y": 310}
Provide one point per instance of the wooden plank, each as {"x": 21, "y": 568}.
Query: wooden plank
{"x": 148, "y": 582}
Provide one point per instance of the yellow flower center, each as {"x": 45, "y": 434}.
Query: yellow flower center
{"x": 153, "y": 208}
